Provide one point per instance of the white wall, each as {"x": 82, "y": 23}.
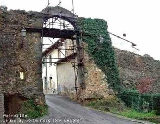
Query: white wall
{"x": 50, "y": 71}
{"x": 66, "y": 77}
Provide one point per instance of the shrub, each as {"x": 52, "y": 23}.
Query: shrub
{"x": 32, "y": 110}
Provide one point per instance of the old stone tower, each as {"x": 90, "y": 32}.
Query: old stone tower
{"x": 20, "y": 60}
{"x": 21, "y": 54}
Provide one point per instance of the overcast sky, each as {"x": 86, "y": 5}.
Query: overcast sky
{"x": 139, "y": 19}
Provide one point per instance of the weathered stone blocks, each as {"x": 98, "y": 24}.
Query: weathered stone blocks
{"x": 21, "y": 54}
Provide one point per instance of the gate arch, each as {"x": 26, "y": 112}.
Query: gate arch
{"x": 56, "y": 13}
{"x": 60, "y": 12}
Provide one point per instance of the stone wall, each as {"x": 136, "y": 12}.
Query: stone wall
{"x": 136, "y": 70}
{"x": 20, "y": 54}
{"x": 1, "y": 104}
{"x": 70, "y": 46}
{"x": 95, "y": 82}
{"x": 23, "y": 54}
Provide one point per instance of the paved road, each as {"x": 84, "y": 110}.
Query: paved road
{"x": 64, "y": 111}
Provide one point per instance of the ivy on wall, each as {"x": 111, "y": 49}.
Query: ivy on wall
{"x": 94, "y": 33}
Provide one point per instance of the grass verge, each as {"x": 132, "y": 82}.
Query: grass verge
{"x": 32, "y": 110}
{"x": 130, "y": 113}
{"x": 116, "y": 107}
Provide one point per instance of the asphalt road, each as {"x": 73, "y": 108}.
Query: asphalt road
{"x": 64, "y": 111}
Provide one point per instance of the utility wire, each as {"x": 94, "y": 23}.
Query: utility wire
{"x": 133, "y": 44}
{"x": 122, "y": 38}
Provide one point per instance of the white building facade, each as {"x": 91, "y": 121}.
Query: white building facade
{"x": 49, "y": 67}
{"x": 58, "y": 72}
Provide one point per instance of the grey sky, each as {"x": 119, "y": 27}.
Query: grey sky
{"x": 139, "y": 19}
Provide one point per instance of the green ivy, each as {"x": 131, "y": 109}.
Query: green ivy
{"x": 94, "y": 33}
{"x": 100, "y": 49}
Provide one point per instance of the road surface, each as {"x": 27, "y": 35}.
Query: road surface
{"x": 64, "y": 111}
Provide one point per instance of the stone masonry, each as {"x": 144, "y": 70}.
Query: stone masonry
{"x": 135, "y": 70}
{"x": 96, "y": 86}
{"x": 20, "y": 55}
{"x": 24, "y": 54}
{"x": 132, "y": 69}
{"x": 1, "y": 104}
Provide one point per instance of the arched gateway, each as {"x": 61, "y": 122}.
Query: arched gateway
{"x": 21, "y": 75}
{"x": 61, "y": 23}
